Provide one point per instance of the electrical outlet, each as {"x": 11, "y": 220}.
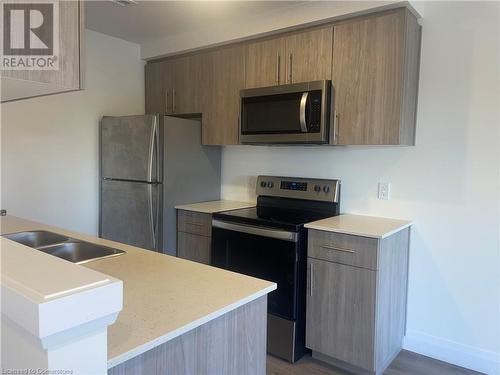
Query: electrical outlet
{"x": 384, "y": 190}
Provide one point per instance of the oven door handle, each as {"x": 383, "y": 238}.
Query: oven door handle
{"x": 303, "y": 103}
{"x": 258, "y": 231}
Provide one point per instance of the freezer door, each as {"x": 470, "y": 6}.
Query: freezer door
{"x": 130, "y": 213}
{"x": 131, "y": 148}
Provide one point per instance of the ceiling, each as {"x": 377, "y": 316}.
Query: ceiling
{"x": 150, "y": 20}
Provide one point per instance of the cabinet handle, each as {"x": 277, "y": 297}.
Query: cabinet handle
{"x": 196, "y": 224}
{"x": 166, "y": 100}
{"x": 290, "y": 68}
{"x": 278, "y": 58}
{"x": 310, "y": 279}
{"x": 173, "y": 100}
{"x": 338, "y": 249}
{"x": 336, "y": 127}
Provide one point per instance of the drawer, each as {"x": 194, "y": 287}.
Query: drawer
{"x": 343, "y": 248}
{"x": 193, "y": 247}
{"x": 194, "y": 222}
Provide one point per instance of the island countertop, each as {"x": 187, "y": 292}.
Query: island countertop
{"x": 164, "y": 296}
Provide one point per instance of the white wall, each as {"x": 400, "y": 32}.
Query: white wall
{"x": 236, "y": 27}
{"x": 448, "y": 184}
{"x": 50, "y": 144}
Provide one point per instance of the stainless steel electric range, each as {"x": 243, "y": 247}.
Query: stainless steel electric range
{"x": 269, "y": 241}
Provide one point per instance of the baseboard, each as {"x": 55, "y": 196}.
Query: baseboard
{"x": 452, "y": 352}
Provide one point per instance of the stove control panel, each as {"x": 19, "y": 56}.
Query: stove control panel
{"x": 299, "y": 188}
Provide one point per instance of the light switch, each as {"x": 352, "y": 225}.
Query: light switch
{"x": 384, "y": 190}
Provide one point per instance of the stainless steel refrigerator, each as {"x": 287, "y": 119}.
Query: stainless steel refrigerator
{"x": 148, "y": 165}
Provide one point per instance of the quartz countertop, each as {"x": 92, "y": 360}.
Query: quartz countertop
{"x": 360, "y": 225}
{"x": 215, "y": 206}
{"x": 163, "y": 296}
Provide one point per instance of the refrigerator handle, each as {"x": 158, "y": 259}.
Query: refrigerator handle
{"x": 151, "y": 151}
{"x": 152, "y": 213}
{"x": 157, "y": 149}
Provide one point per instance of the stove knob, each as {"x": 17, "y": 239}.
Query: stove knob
{"x": 263, "y": 184}
{"x": 270, "y": 184}
{"x": 317, "y": 188}
{"x": 326, "y": 189}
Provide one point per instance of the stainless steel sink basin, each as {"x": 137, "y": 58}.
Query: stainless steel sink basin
{"x": 63, "y": 247}
{"x": 80, "y": 252}
{"x": 36, "y": 238}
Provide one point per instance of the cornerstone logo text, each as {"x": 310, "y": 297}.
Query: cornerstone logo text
{"x": 30, "y": 35}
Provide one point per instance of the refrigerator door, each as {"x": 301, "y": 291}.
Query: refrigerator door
{"x": 132, "y": 148}
{"x": 131, "y": 213}
{"x": 191, "y": 172}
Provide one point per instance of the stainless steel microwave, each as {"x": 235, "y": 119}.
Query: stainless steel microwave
{"x": 297, "y": 113}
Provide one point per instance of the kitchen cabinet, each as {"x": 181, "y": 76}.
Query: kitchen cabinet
{"x": 193, "y": 247}
{"x": 265, "y": 63}
{"x": 296, "y": 57}
{"x": 225, "y": 76}
{"x": 309, "y": 55}
{"x": 174, "y": 87}
{"x": 184, "y": 92}
{"x": 155, "y": 75}
{"x": 340, "y": 318}
{"x": 375, "y": 76}
{"x": 21, "y": 84}
{"x": 356, "y": 299}
{"x": 372, "y": 60}
{"x": 194, "y": 236}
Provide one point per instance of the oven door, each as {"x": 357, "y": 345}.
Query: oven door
{"x": 297, "y": 113}
{"x": 267, "y": 254}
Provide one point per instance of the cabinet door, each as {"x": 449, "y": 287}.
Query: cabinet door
{"x": 309, "y": 55}
{"x": 265, "y": 63}
{"x": 193, "y": 247}
{"x": 188, "y": 72}
{"x": 70, "y": 73}
{"x": 368, "y": 60}
{"x": 221, "y": 102}
{"x": 341, "y": 312}
{"x": 155, "y": 88}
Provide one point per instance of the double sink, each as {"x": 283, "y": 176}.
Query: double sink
{"x": 63, "y": 247}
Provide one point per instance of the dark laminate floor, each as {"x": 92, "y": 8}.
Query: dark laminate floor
{"x": 406, "y": 363}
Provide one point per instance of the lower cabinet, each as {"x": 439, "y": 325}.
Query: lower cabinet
{"x": 194, "y": 236}
{"x": 356, "y": 315}
{"x": 193, "y": 247}
{"x": 340, "y": 312}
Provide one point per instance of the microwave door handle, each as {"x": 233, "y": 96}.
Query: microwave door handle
{"x": 303, "y": 103}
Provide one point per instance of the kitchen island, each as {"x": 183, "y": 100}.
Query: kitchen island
{"x": 178, "y": 316}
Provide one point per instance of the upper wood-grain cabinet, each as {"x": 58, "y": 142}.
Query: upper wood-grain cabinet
{"x": 20, "y": 84}
{"x": 187, "y": 73}
{"x": 174, "y": 87}
{"x": 155, "y": 76}
{"x": 264, "y": 63}
{"x": 296, "y": 57}
{"x": 375, "y": 76}
{"x": 225, "y": 76}
{"x": 372, "y": 60}
{"x": 309, "y": 55}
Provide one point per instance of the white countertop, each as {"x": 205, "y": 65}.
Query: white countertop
{"x": 360, "y": 225}
{"x": 164, "y": 296}
{"x": 47, "y": 296}
{"x": 215, "y": 206}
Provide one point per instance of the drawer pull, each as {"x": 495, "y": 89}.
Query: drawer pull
{"x": 196, "y": 224}
{"x": 310, "y": 279}
{"x": 338, "y": 249}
